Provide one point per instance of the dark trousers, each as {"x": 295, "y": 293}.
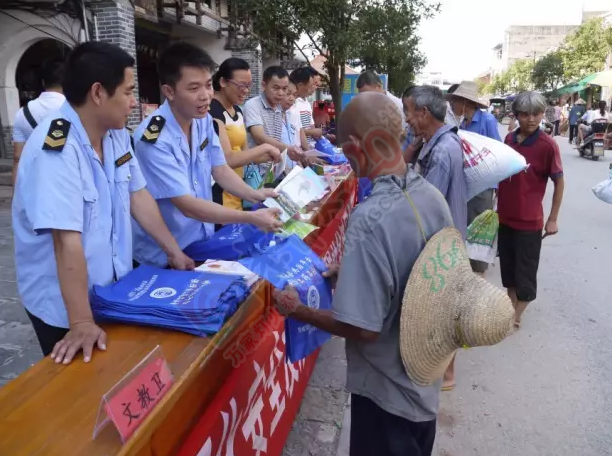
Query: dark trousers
{"x": 557, "y": 123}
{"x": 47, "y": 335}
{"x": 573, "y": 132}
{"x": 376, "y": 432}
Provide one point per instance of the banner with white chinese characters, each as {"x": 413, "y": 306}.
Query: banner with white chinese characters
{"x": 253, "y": 413}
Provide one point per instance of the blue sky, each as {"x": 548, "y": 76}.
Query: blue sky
{"x": 458, "y": 41}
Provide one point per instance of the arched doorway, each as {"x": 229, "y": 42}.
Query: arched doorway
{"x": 27, "y": 76}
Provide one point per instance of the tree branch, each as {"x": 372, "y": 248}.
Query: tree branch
{"x": 316, "y": 46}
{"x": 301, "y": 51}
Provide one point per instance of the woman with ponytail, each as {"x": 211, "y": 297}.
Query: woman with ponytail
{"x": 599, "y": 113}
{"x": 232, "y": 84}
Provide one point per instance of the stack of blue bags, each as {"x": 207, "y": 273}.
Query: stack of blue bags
{"x": 289, "y": 261}
{"x": 230, "y": 243}
{"x": 332, "y": 155}
{"x": 194, "y": 302}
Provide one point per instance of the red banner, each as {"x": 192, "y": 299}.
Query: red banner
{"x": 253, "y": 413}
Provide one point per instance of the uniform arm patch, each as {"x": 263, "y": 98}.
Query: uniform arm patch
{"x": 57, "y": 135}
{"x": 153, "y": 130}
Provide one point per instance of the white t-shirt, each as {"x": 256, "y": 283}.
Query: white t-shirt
{"x": 46, "y": 104}
{"x": 304, "y": 110}
{"x": 400, "y": 106}
{"x": 294, "y": 119}
{"x": 595, "y": 114}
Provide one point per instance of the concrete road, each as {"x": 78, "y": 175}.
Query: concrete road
{"x": 547, "y": 390}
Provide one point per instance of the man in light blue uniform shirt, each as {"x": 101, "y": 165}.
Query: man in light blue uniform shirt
{"x": 78, "y": 185}
{"x": 179, "y": 153}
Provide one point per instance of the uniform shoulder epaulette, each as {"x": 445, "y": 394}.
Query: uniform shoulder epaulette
{"x": 151, "y": 134}
{"x": 57, "y": 135}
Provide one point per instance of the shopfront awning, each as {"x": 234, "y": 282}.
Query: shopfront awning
{"x": 575, "y": 86}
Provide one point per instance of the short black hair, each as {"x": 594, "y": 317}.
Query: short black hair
{"x": 226, "y": 70}
{"x": 91, "y": 62}
{"x": 301, "y": 76}
{"x": 312, "y": 71}
{"x": 408, "y": 91}
{"x": 368, "y": 78}
{"x": 275, "y": 70}
{"x": 179, "y": 55}
{"x": 452, "y": 89}
{"x": 52, "y": 73}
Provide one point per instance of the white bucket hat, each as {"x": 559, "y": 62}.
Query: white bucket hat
{"x": 468, "y": 90}
{"x": 446, "y": 307}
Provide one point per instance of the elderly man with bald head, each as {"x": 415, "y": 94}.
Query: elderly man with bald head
{"x": 390, "y": 415}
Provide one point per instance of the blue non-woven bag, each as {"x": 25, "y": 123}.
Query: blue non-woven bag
{"x": 190, "y": 301}
{"x": 291, "y": 262}
{"x": 230, "y": 243}
{"x": 332, "y": 156}
{"x": 364, "y": 188}
{"x": 324, "y": 145}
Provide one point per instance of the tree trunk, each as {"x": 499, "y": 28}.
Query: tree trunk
{"x": 334, "y": 85}
{"x": 336, "y": 77}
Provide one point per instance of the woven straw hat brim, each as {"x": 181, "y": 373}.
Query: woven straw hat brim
{"x": 468, "y": 95}
{"x": 446, "y": 306}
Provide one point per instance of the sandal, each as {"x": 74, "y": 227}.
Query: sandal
{"x": 448, "y": 388}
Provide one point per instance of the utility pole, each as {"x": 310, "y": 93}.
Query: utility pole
{"x": 533, "y": 54}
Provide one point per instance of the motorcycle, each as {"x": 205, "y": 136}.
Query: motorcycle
{"x": 593, "y": 145}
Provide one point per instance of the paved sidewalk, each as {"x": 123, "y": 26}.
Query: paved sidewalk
{"x": 317, "y": 428}
{"x": 18, "y": 346}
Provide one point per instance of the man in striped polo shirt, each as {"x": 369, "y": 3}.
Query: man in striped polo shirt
{"x": 304, "y": 82}
{"x": 263, "y": 115}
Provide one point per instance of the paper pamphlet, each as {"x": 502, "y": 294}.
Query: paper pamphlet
{"x": 300, "y": 187}
{"x": 228, "y": 268}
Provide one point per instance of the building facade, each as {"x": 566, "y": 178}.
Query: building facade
{"x": 143, "y": 28}
{"x": 532, "y": 41}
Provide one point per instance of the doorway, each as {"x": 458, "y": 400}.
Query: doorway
{"x": 28, "y": 74}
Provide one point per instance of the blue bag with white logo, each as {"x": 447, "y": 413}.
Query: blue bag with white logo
{"x": 190, "y": 301}
{"x": 230, "y": 243}
{"x": 290, "y": 261}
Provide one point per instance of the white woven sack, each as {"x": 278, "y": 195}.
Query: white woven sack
{"x": 487, "y": 162}
{"x": 603, "y": 191}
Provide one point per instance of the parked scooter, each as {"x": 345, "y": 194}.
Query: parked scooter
{"x": 593, "y": 145}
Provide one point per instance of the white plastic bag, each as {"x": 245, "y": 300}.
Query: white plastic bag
{"x": 481, "y": 239}
{"x": 487, "y": 162}
{"x": 603, "y": 191}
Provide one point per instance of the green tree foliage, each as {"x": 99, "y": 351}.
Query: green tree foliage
{"x": 520, "y": 75}
{"x": 501, "y": 84}
{"x": 585, "y": 50}
{"x": 387, "y": 40}
{"x": 548, "y": 73}
{"x": 344, "y": 31}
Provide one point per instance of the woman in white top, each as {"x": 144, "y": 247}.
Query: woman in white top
{"x": 590, "y": 116}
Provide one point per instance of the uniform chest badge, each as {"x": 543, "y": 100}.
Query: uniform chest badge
{"x": 123, "y": 159}
{"x": 204, "y": 144}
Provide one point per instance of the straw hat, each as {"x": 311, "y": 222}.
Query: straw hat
{"x": 468, "y": 90}
{"x": 446, "y": 307}
{"x": 580, "y": 101}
